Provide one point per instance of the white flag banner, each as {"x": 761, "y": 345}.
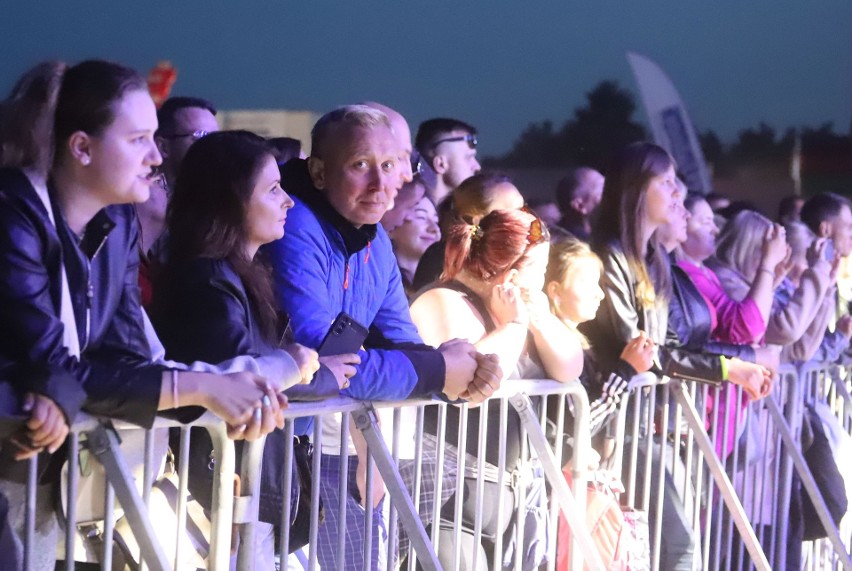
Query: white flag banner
{"x": 670, "y": 123}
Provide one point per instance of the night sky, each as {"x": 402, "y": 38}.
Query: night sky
{"x": 496, "y": 64}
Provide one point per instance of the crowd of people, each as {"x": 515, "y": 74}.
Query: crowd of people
{"x": 243, "y": 251}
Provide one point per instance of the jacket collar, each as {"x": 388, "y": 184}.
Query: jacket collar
{"x": 296, "y": 180}
{"x": 96, "y": 231}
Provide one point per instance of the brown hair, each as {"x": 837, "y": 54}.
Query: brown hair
{"x": 497, "y": 244}
{"x": 26, "y": 118}
{"x": 622, "y": 212}
{"x": 88, "y": 95}
{"x": 473, "y": 198}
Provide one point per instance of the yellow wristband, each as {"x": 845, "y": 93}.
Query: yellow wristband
{"x": 724, "y": 367}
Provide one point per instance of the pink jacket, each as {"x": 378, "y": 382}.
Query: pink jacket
{"x": 738, "y": 321}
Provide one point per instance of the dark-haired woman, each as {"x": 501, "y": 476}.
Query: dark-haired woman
{"x": 214, "y": 300}
{"x": 103, "y": 160}
{"x": 491, "y": 295}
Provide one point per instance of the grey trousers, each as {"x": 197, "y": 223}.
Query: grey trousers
{"x": 46, "y": 525}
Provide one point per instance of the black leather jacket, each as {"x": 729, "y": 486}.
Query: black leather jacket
{"x": 114, "y": 368}
{"x": 621, "y": 316}
{"x": 205, "y": 315}
{"x": 690, "y": 321}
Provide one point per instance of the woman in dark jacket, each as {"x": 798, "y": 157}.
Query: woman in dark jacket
{"x": 213, "y": 299}
{"x": 80, "y": 222}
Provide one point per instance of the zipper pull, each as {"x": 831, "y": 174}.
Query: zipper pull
{"x": 346, "y": 277}
{"x": 367, "y": 257}
{"x": 90, "y": 294}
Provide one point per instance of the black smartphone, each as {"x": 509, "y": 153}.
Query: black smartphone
{"x": 344, "y": 336}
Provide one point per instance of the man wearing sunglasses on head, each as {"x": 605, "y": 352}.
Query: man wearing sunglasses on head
{"x": 448, "y": 146}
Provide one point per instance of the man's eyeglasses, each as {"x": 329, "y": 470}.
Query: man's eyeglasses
{"x": 470, "y": 139}
{"x": 199, "y": 134}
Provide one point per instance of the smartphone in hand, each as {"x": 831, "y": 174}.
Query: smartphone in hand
{"x": 344, "y": 336}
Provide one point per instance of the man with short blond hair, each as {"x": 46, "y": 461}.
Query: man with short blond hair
{"x": 335, "y": 257}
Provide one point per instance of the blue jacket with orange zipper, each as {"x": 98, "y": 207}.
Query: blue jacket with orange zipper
{"x": 324, "y": 265}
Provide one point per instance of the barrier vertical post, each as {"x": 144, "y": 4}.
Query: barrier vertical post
{"x": 721, "y": 478}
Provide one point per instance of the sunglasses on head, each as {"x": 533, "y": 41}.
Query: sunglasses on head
{"x": 538, "y": 231}
{"x": 199, "y": 134}
{"x": 416, "y": 165}
{"x": 470, "y": 139}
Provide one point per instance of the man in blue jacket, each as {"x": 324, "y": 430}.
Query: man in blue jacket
{"x": 336, "y": 257}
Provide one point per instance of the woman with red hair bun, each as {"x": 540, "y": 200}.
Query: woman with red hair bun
{"x": 491, "y": 294}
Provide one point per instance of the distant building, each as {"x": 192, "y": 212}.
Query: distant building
{"x": 272, "y": 123}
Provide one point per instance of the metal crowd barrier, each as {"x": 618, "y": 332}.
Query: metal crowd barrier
{"x": 730, "y": 466}
{"x": 663, "y": 424}
{"x": 828, "y": 385}
{"x": 408, "y": 515}
{"x": 728, "y": 472}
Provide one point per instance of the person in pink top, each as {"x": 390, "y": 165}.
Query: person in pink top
{"x": 740, "y": 321}
{"x": 737, "y": 321}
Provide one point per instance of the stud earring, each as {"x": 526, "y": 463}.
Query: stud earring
{"x": 85, "y": 161}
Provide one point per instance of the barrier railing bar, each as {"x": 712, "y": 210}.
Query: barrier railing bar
{"x": 725, "y": 413}
{"x": 553, "y": 473}
{"x": 71, "y": 508}
{"x": 721, "y": 478}
{"x": 343, "y": 489}
{"x": 368, "y": 508}
{"x": 557, "y": 449}
{"x": 711, "y": 490}
{"x": 501, "y": 482}
{"x": 365, "y": 421}
{"x": 246, "y": 506}
{"x": 316, "y": 468}
{"x": 286, "y": 515}
{"x": 809, "y": 484}
{"x": 29, "y": 516}
{"x": 183, "y": 482}
{"x": 461, "y": 446}
{"x": 480, "y": 482}
{"x": 221, "y": 513}
{"x": 657, "y": 532}
{"x": 109, "y": 526}
{"x": 739, "y": 420}
{"x": 393, "y": 535}
{"x": 418, "y": 476}
{"x": 439, "y": 469}
{"x": 148, "y": 477}
{"x": 103, "y": 443}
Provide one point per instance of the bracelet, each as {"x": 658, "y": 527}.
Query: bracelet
{"x": 175, "y": 389}
{"x": 770, "y": 272}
